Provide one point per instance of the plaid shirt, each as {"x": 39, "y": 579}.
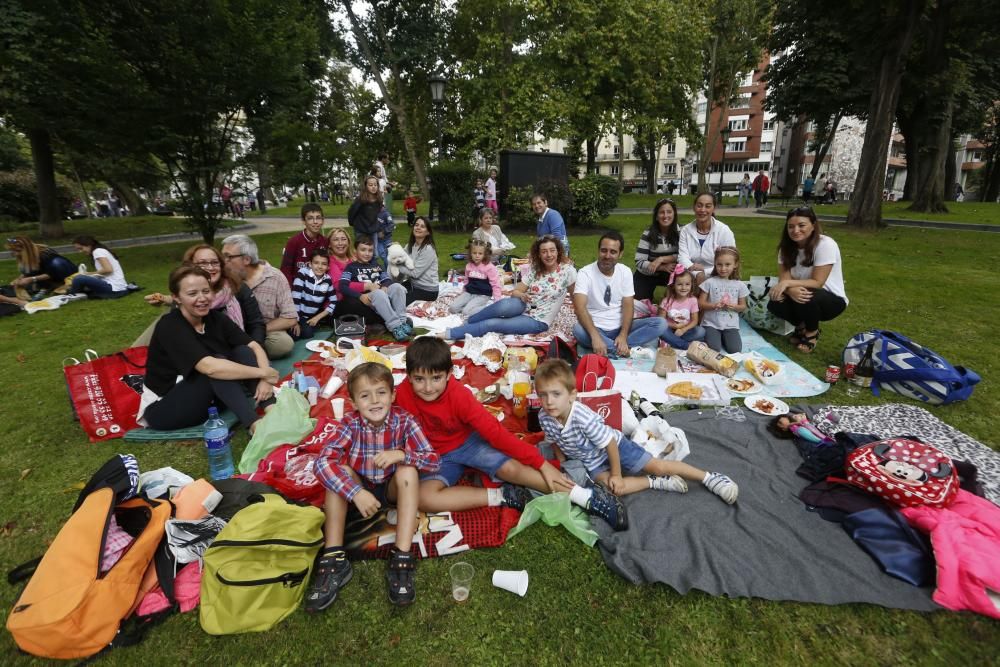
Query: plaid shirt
{"x": 357, "y": 443}
{"x": 274, "y": 296}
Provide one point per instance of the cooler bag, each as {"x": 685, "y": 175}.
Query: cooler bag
{"x": 903, "y": 472}
{"x": 910, "y": 369}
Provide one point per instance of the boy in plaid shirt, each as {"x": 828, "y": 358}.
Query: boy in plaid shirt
{"x": 374, "y": 458}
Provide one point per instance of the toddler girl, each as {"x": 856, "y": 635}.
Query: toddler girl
{"x": 680, "y": 308}
{"x": 722, "y": 297}
{"x": 482, "y": 285}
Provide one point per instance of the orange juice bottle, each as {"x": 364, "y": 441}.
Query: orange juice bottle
{"x": 521, "y": 388}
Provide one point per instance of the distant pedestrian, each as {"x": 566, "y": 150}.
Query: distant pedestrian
{"x": 807, "y": 188}
{"x": 761, "y": 186}
{"x": 744, "y": 187}
{"x": 491, "y": 191}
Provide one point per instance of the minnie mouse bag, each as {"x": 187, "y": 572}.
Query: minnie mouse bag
{"x": 903, "y": 472}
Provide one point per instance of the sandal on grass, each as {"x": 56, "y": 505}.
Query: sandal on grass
{"x": 796, "y": 336}
{"x": 807, "y": 344}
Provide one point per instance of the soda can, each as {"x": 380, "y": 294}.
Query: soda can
{"x": 849, "y": 371}
{"x": 832, "y": 374}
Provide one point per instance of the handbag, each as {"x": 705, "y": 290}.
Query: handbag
{"x": 910, "y": 369}
{"x": 757, "y": 315}
{"x": 105, "y": 391}
{"x": 350, "y": 326}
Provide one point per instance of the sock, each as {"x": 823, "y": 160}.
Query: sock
{"x": 337, "y": 552}
{"x": 580, "y": 496}
{"x": 494, "y": 497}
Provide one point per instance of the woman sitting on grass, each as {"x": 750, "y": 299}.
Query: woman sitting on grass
{"x": 810, "y": 285}
{"x": 42, "y": 270}
{"x": 107, "y": 278}
{"x": 534, "y": 304}
{"x": 421, "y": 281}
{"x": 216, "y": 362}
{"x": 232, "y": 297}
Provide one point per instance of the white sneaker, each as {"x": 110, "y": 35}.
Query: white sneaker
{"x": 668, "y": 483}
{"x": 79, "y": 296}
{"x": 721, "y": 486}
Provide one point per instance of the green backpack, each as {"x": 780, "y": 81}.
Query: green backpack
{"x": 257, "y": 569}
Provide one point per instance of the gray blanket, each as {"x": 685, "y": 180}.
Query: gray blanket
{"x": 767, "y": 546}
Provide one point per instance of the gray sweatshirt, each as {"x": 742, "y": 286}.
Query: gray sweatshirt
{"x": 424, "y": 273}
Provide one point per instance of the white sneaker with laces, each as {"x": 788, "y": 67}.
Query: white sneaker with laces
{"x": 721, "y": 486}
{"x": 668, "y": 483}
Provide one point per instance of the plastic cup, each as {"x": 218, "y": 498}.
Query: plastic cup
{"x": 515, "y": 581}
{"x": 338, "y": 408}
{"x": 311, "y": 394}
{"x": 461, "y": 580}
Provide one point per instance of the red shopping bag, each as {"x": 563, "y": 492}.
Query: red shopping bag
{"x": 605, "y": 402}
{"x": 594, "y": 372}
{"x": 105, "y": 392}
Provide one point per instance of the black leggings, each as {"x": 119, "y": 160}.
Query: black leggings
{"x": 187, "y": 402}
{"x": 419, "y": 294}
{"x": 645, "y": 285}
{"x": 822, "y": 307}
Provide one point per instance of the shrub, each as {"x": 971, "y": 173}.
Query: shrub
{"x": 19, "y": 195}
{"x": 451, "y": 193}
{"x": 594, "y": 197}
{"x": 558, "y": 194}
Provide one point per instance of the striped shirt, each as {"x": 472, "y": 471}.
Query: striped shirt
{"x": 312, "y": 294}
{"x": 646, "y": 251}
{"x": 357, "y": 443}
{"x": 584, "y": 437}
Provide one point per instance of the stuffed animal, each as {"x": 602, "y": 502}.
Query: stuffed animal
{"x": 397, "y": 257}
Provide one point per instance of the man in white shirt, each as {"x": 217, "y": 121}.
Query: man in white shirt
{"x": 603, "y": 300}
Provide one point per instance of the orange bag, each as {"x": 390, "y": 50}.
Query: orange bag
{"x": 68, "y": 609}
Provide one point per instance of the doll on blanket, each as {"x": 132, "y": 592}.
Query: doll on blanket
{"x": 796, "y": 424}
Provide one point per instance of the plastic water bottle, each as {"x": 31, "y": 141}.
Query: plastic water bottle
{"x": 220, "y": 456}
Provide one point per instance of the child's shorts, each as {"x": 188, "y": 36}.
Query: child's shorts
{"x": 474, "y": 453}
{"x": 380, "y": 491}
{"x": 633, "y": 459}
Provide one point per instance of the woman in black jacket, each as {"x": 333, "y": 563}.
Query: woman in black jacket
{"x": 363, "y": 214}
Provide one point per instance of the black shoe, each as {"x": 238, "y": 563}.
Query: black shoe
{"x": 609, "y": 507}
{"x": 332, "y": 573}
{"x": 515, "y": 497}
{"x": 399, "y": 577}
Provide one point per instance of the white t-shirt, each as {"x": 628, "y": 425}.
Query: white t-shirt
{"x": 117, "y": 277}
{"x": 593, "y": 283}
{"x": 827, "y": 253}
{"x": 721, "y": 290}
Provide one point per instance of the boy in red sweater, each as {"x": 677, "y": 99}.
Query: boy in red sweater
{"x": 466, "y": 435}
{"x": 410, "y": 206}
{"x": 301, "y": 247}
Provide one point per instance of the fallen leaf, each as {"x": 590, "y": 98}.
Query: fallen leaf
{"x": 74, "y": 487}
{"x": 25, "y": 473}
{"x": 8, "y": 528}
{"x": 20, "y": 358}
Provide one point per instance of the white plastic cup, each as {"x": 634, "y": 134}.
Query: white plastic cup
{"x": 332, "y": 386}
{"x": 311, "y": 394}
{"x": 338, "y": 408}
{"x": 515, "y": 581}
{"x": 461, "y": 580}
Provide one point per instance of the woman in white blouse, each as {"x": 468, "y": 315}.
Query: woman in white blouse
{"x": 699, "y": 239}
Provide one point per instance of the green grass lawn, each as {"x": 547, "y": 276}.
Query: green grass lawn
{"x": 107, "y": 229}
{"x": 983, "y": 213}
{"x": 938, "y": 287}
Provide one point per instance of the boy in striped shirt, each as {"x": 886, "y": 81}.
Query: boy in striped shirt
{"x": 610, "y": 458}
{"x": 313, "y": 293}
{"x": 374, "y": 458}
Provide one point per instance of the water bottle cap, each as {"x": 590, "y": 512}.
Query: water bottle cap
{"x": 213, "y": 412}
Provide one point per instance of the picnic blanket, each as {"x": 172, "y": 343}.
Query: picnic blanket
{"x": 797, "y": 382}
{"x": 767, "y": 545}
{"x": 283, "y": 366}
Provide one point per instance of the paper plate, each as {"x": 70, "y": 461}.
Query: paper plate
{"x": 779, "y": 406}
{"x": 319, "y": 345}
{"x": 755, "y": 386}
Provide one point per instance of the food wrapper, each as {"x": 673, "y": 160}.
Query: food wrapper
{"x": 485, "y": 351}
{"x": 526, "y": 354}
{"x": 363, "y": 354}
{"x": 702, "y": 354}
{"x": 661, "y": 440}
{"x": 766, "y": 370}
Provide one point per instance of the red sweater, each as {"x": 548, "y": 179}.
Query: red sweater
{"x": 448, "y": 421}
{"x": 297, "y": 251}
{"x": 410, "y": 203}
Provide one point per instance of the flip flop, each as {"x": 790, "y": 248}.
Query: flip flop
{"x": 807, "y": 344}
{"x": 796, "y": 336}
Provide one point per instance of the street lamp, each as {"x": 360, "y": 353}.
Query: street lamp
{"x": 437, "y": 83}
{"x": 724, "y": 133}
{"x": 684, "y": 164}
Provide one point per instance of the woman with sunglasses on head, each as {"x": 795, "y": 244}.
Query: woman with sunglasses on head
{"x": 810, "y": 285}
{"x": 42, "y": 270}
{"x": 656, "y": 254}
{"x": 231, "y": 297}
{"x": 534, "y": 304}
{"x": 699, "y": 239}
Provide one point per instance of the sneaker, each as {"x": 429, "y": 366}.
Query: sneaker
{"x": 609, "y": 507}
{"x": 672, "y": 483}
{"x": 515, "y": 497}
{"x": 332, "y": 573}
{"x": 78, "y": 296}
{"x": 666, "y": 361}
{"x": 721, "y": 486}
{"x": 400, "y": 332}
{"x": 399, "y": 576}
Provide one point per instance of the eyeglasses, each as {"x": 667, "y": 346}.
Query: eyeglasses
{"x": 229, "y": 258}
{"x": 665, "y": 200}
{"x": 209, "y": 263}
{"x": 607, "y": 295}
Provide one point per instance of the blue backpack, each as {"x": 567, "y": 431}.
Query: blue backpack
{"x": 911, "y": 369}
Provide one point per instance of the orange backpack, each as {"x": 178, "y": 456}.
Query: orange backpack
{"x": 71, "y": 610}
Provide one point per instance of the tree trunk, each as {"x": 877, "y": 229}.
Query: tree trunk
{"x": 398, "y": 106}
{"x": 621, "y": 155}
{"x": 49, "y": 218}
{"x": 827, "y": 144}
{"x": 796, "y": 149}
{"x": 912, "y": 140}
{"x": 990, "y": 188}
{"x": 591, "y": 154}
{"x": 950, "y": 170}
{"x": 132, "y": 199}
{"x": 866, "y": 205}
{"x": 930, "y": 193}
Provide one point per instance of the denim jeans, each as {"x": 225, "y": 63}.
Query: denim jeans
{"x": 93, "y": 284}
{"x": 681, "y": 342}
{"x": 642, "y": 331}
{"x": 506, "y": 316}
